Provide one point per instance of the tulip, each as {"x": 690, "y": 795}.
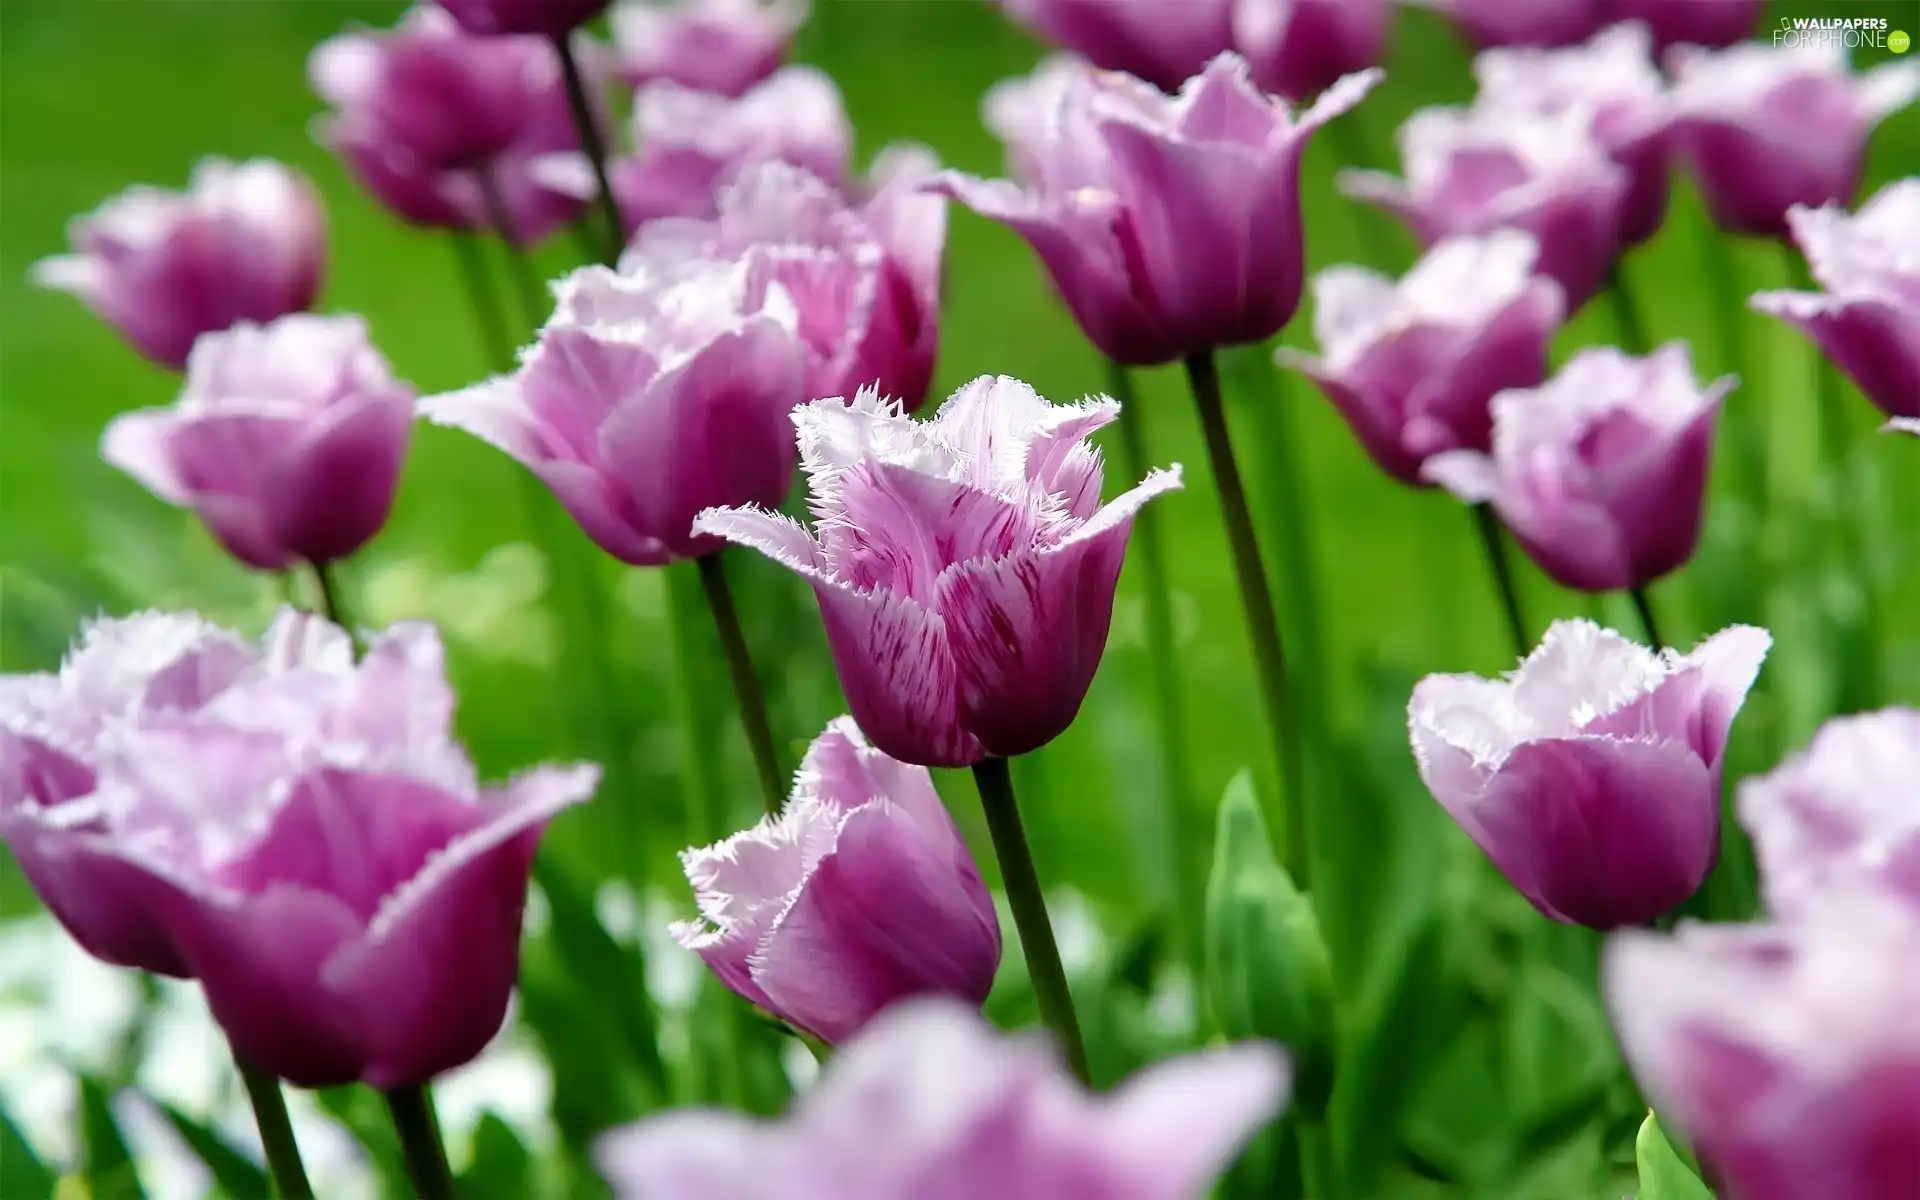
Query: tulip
{"x": 1591, "y": 775}
{"x": 286, "y": 441}
{"x": 298, "y": 832}
{"x": 964, "y": 566}
{"x": 1764, "y": 128}
{"x": 1300, "y": 48}
{"x": 1164, "y": 44}
{"x": 242, "y": 243}
{"x": 865, "y": 277}
{"x": 1475, "y": 170}
{"x": 547, "y": 18}
{"x": 1841, "y": 812}
{"x": 1531, "y": 23}
{"x": 1903, "y": 425}
{"x": 929, "y": 1104}
{"x": 1694, "y": 23}
{"x": 646, "y": 399}
{"x": 720, "y": 46}
{"x": 859, "y": 893}
{"x": 1170, "y": 225}
{"x": 1787, "y": 1054}
{"x": 1612, "y": 82}
{"x": 1868, "y": 318}
{"x": 1601, "y": 472}
{"x": 1413, "y": 365}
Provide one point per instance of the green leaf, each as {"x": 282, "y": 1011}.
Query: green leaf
{"x": 501, "y": 1168}
{"x": 109, "y": 1169}
{"x": 235, "y": 1174}
{"x": 1662, "y": 1175}
{"x": 21, "y": 1171}
{"x": 597, "y": 964}
{"x": 365, "y": 1117}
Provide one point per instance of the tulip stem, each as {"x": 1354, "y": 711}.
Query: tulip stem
{"x": 1029, "y": 904}
{"x": 1256, "y": 601}
{"x": 1628, "y": 320}
{"x": 746, "y": 684}
{"x": 1319, "y": 1170}
{"x": 332, "y": 607}
{"x": 487, "y": 317}
{"x": 1643, "y": 604}
{"x": 420, "y": 1145}
{"x": 533, "y": 297}
{"x": 593, "y": 144}
{"x": 1493, "y": 540}
{"x": 276, "y": 1133}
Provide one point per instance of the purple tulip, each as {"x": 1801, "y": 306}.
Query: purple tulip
{"x": 964, "y": 565}
{"x": 298, "y": 832}
{"x": 720, "y": 46}
{"x": 244, "y": 242}
{"x": 1841, "y": 813}
{"x": 647, "y": 399}
{"x": 1601, "y": 472}
{"x": 1787, "y": 1054}
{"x": 1476, "y": 170}
{"x": 286, "y": 441}
{"x": 865, "y": 278}
{"x": 1693, "y": 23}
{"x": 859, "y": 894}
{"x": 1170, "y": 225}
{"x": 1164, "y": 44}
{"x": 930, "y": 1104}
{"x": 1300, "y": 48}
{"x": 1413, "y": 365}
{"x": 1528, "y": 22}
{"x": 1612, "y": 81}
{"x": 547, "y": 18}
{"x": 1764, "y": 128}
{"x": 1591, "y": 775}
{"x": 1868, "y": 318}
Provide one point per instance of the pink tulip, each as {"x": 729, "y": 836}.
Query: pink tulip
{"x": 720, "y": 46}
{"x": 547, "y": 18}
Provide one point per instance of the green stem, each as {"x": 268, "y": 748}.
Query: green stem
{"x": 1643, "y": 604}
{"x": 746, "y": 684}
{"x": 332, "y": 606}
{"x": 1256, "y": 601}
{"x": 420, "y": 1146}
{"x": 1627, "y": 317}
{"x": 487, "y": 317}
{"x": 1029, "y": 905}
{"x": 1319, "y": 1169}
{"x": 526, "y": 281}
{"x": 1493, "y": 540}
{"x": 276, "y": 1133}
{"x": 593, "y": 144}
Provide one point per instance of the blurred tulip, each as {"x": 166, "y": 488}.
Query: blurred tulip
{"x": 965, "y": 566}
{"x": 1529, "y": 22}
{"x": 547, "y": 18}
{"x": 298, "y": 832}
{"x": 1613, "y": 82}
{"x": 1169, "y": 225}
{"x": 1787, "y": 1054}
{"x": 1413, "y": 365}
{"x": 286, "y": 441}
{"x": 1763, "y": 128}
{"x": 1164, "y": 44}
{"x": 1472, "y": 171}
{"x": 1693, "y": 23}
{"x": 1591, "y": 775}
{"x": 864, "y": 278}
{"x": 244, "y": 242}
{"x": 1840, "y": 813}
{"x": 1300, "y": 48}
{"x": 1903, "y": 425}
{"x": 858, "y": 894}
{"x": 930, "y": 1104}
{"x": 719, "y": 46}
{"x": 1868, "y": 318}
{"x": 646, "y": 399}
{"x": 1601, "y": 472}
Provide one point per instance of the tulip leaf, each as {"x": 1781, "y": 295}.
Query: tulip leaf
{"x": 1662, "y": 1175}
{"x": 109, "y": 1169}
{"x": 236, "y": 1174}
{"x": 596, "y": 964}
{"x": 22, "y": 1173}
{"x": 500, "y": 1169}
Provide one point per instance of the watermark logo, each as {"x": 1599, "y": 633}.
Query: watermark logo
{"x": 1898, "y": 41}
{"x": 1851, "y": 33}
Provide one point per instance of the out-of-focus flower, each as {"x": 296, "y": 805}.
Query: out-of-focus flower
{"x": 1763, "y": 128}
{"x": 930, "y": 1104}
{"x": 1475, "y": 170}
{"x": 1902, "y": 425}
{"x": 858, "y": 894}
{"x": 1693, "y": 23}
{"x": 1591, "y": 775}
{"x": 1601, "y": 472}
{"x": 298, "y": 832}
{"x": 244, "y": 242}
{"x": 1170, "y": 225}
{"x": 1528, "y": 22}
{"x": 1613, "y": 82}
{"x": 965, "y": 566}
{"x": 721, "y": 46}
{"x": 687, "y": 143}
{"x": 1413, "y": 365}
{"x": 648, "y": 398}
{"x": 1868, "y": 318}
{"x": 1164, "y": 44}
{"x": 547, "y": 18}
{"x": 1300, "y": 48}
{"x": 864, "y": 278}
{"x": 1840, "y": 813}
{"x": 1787, "y": 1054}
{"x": 286, "y": 441}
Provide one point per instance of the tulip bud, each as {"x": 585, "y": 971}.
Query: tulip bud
{"x": 722, "y": 46}
{"x": 548, "y": 18}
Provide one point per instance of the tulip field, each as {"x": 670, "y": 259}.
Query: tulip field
{"x": 960, "y": 600}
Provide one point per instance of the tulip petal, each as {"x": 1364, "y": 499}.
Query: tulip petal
{"x": 1181, "y": 1122}
{"x": 138, "y": 443}
{"x": 699, "y": 1152}
{"x": 897, "y": 671}
{"x": 333, "y": 492}
{"x": 1874, "y": 341}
